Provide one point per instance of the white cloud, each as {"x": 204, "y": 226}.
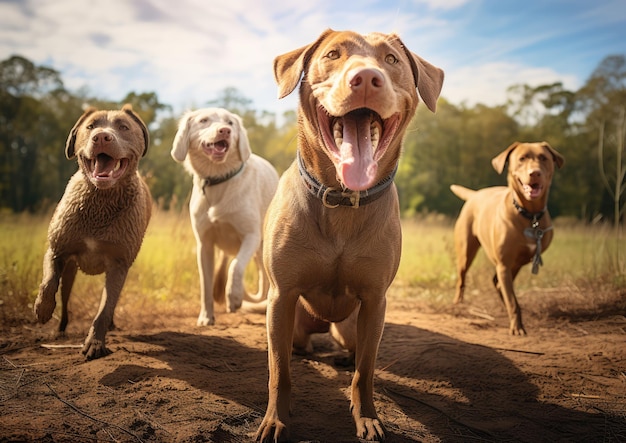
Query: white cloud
{"x": 189, "y": 50}
{"x": 488, "y": 83}
{"x": 443, "y": 4}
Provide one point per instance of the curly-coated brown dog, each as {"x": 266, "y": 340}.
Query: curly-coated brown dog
{"x": 99, "y": 224}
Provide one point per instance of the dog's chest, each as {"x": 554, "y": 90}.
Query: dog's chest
{"x": 93, "y": 259}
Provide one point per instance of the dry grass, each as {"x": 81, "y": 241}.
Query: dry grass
{"x": 582, "y": 266}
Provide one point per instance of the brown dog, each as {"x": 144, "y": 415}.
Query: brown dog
{"x": 99, "y": 224}
{"x": 511, "y": 222}
{"x": 332, "y": 235}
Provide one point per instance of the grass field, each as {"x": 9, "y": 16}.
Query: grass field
{"x": 164, "y": 276}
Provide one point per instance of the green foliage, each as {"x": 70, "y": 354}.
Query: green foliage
{"x": 455, "y": 145}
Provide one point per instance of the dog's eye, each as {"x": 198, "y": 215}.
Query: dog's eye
{"x": 123, "y": 127}
{"x": 230, "y": 122}
{"x": 333, "y": 55}
{"x": 542, "y": 158}
{"x": 391, "y": 59}
{"x": 89, "y": 127}
{"x": 204, "y": 120}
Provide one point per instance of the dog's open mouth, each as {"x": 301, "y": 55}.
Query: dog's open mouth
{"x": 356, "y": 142}
{"x": 532, "y": 190}
{"x": 104, "y": 169}
{"x": 216, "y": 149}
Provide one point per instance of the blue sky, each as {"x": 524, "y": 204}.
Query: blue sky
{"x": 188, "y": 51}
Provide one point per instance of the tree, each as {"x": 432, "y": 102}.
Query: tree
{"x": 601, "y": 100}
{"x": 455, "y": 145}
{"x": 30, "y": 133}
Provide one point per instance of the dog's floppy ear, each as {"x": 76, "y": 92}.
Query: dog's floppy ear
{"x": 559, "y": 160}
{"x": 500, "y": 160}
{"x": 428, "y": 78}
{"x": 128, "y": 109}
{"x": 289, "y": 67}
{"x": 70, "y": 144}
{"x": 243, "y": 143}
{"x": 181, "y": 141}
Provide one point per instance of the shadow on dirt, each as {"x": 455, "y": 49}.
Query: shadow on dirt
{"x": 458, "y": 391}
{"x": 466, "y": 392}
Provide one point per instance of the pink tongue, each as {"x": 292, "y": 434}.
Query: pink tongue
{"x": 531, "y": 192}
{"x": 104, "y": 165}
{"x": 357, "y": 168}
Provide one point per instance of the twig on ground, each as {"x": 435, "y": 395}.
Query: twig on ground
{"x": 19, "y": 379}
{"x": 9, "y": 362}
{"x": 84, "y": 414}
{"x": 152, "y": 422}
{"x": 518, "y": 350}
{"x": 481, "y": 314}
{"x": 587, "y": 396}
{"x": 483, "y": 434}
{"x": 390, "y": 364}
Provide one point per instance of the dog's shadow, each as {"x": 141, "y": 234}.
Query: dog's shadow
{"x": 492, "y": 401}
{"x": 232, "y": 372}
{"x": 467, "y": 392}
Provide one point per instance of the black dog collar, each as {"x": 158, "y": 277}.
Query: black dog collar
{"x": 334, "y": 197}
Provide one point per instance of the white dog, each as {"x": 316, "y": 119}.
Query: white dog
{"x": 232, "y": 189}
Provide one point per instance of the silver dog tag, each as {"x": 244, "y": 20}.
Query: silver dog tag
{"x": 534, "y": 233}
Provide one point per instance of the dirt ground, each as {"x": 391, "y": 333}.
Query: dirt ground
{"x": 451, "y": 374}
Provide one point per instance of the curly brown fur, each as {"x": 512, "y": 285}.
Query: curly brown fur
{"x": 99, "y": 224}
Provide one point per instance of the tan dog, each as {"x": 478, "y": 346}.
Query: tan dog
{"x": 232, "y": 189}
{"x": 332, "y": 237}
{"x": 511, "y": 222}
{"x": 99, "y": 224}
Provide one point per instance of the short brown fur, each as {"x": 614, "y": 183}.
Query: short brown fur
{"x": 490, "y": 219}
{"x": 334, "y": 264}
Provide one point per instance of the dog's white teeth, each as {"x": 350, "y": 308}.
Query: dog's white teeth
{"x": 338, "y": 132}
{"x": 118, "y": 165}
{"x": 375, "y": 135}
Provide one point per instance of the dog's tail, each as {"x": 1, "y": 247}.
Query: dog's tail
{"x": 462, "y": 192}
{"x": 254, "y": 307}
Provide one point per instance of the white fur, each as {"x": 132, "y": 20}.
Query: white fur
{"x": 226, "y": 218}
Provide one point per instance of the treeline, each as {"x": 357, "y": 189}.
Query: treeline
{"x": 455, "y": 145}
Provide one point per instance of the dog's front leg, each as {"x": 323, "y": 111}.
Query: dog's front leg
{"x": 280, "y": 323}
{"x": 370, "y": 326}
{"x": 95, "y": 346}
{"x": 67, "y": 281}
{"x": 505, "y": 285}
{"x": 235, "y": 288}
{"x": 46, "y": 299}
{"x": 206, "y": 263}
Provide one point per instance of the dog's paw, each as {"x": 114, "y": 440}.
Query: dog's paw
{"x": 517, "y": 328}
{"x": 44, "y": 309}
{"x": 233, "y": 303}
{"x": 272, "y": 430}
{"x": 204, "y": 320}
{"x": 370, "y": 429}
{"x": 93, "y": 349}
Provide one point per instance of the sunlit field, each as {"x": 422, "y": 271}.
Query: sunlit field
{"x": 579, "y": 255}
{"x": 164, "y": 278}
